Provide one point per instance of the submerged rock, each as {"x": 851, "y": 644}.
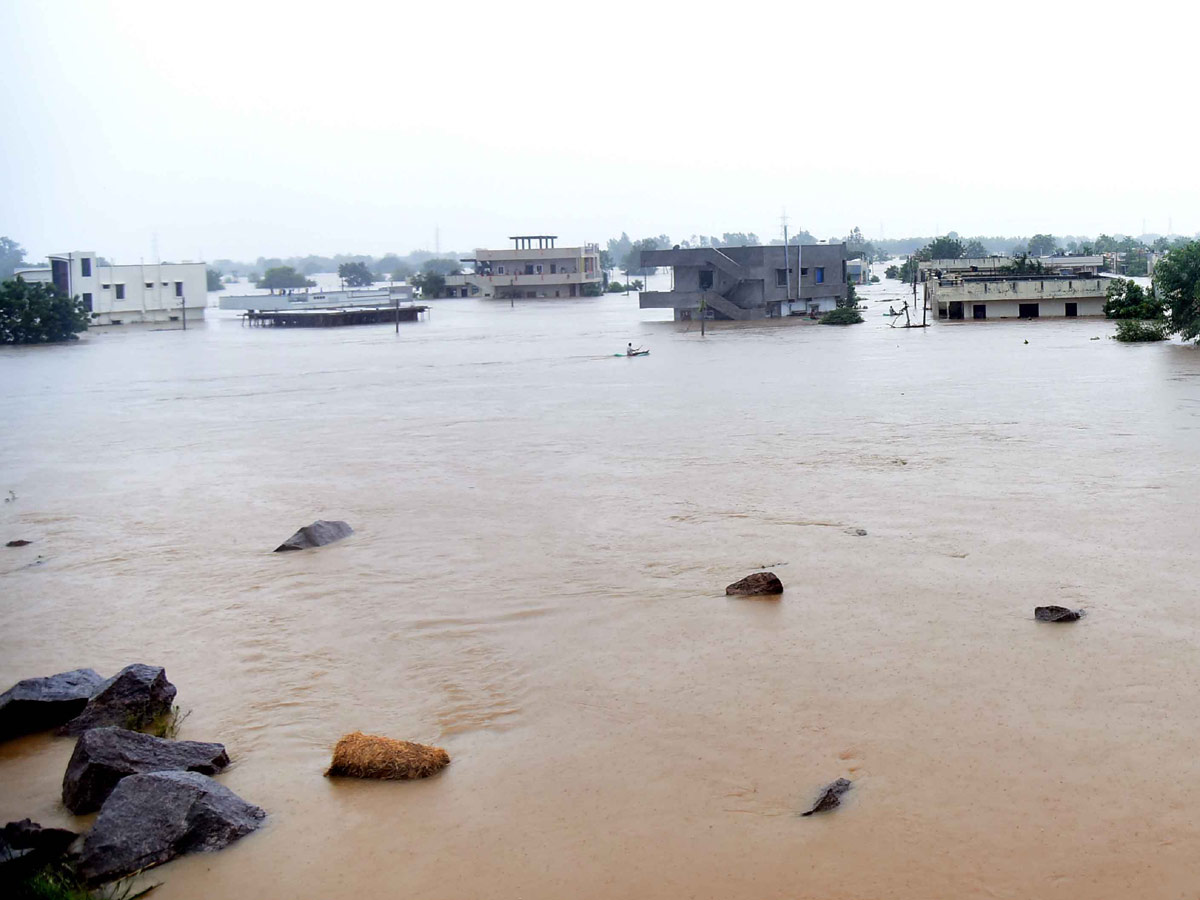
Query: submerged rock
{"x": 20, "y": 543}
{"x": 134, "y": 697}
{"x": 1056, "y": 614}
{"x": 318, "y": 534}
{"x": 103, "y": 756}
{"x": 831, "y": 797}
{"x": 26, "y": 846}
{"x": 150, "y": 819}
{"x": 756, "y": 584}
{"x": 36, "y": 704}
{"x": 369, "y": 756}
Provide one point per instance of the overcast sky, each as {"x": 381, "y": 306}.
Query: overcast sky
{"x": 246, "y": 129}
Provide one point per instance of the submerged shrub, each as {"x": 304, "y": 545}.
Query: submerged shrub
{"x": 841, "y": 316}
{"x": 1139, "y": 331}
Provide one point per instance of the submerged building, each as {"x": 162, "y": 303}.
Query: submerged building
{"x": 533, "y": 268}
{"x": 128, "y": 294}
{"x": 749, "y": 282}
{"x": 997, "y": 287}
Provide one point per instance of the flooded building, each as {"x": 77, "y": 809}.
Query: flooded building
{"x": 533, "y": 268}
{"x": 749, "y": 282}
{"x": 1015, "y": 296}
{"x": 126, "y": 294}
{"x": 1000, "y": 265}
{"x": 858, "y": 271}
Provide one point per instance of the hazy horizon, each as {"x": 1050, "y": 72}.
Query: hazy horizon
{"x": 362, "y": 129}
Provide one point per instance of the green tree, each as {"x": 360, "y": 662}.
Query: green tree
{"x": 973, "y": 249}
{"x": 1125, "y": 299}
{"x": 891, "y": 272}
{"x": 214, "y": 279}
{"x": 282, "y": 278}
{"x": 841, "y": 316}
{"x": 395, "y": 267}
{"x": 441, "y": 266}
{"x": 850, "y": 301}
{"x": 1042, "y": 245}
{"x": 430, "y": 284}
{"x": 1141, "y": 331}
{"x": 12, "y": 257}
{"x": 942, "y": 248}
{"x": 1177, "y": 283}
{"x": 38, "y": 314}
{"x": 355, "y": 274}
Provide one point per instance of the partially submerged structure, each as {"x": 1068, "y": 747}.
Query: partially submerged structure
{"x": 1004, "y": 287}
{"x": 749, "y": 282}
{"x": 126, "y": 294}
{"x": 533, "y": 268}
{"x": 300, "y": 300}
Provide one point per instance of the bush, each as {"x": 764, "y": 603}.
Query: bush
{"x": 615, "y": 287}
{"x": 842, "y": 316}
{"x": 874, "y": 279}
{"x": 38, "y": 314}
{"x": 1139, "y": 331}
{"x": 1127, "y": 300}
{"x": 590, "y": 290}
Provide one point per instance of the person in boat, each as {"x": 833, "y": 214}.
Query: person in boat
{"x": 630, "y": 350}
{"x": 892, "y": 310}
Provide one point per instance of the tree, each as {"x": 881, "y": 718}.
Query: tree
{"x": 282, "y": 278}
{"x": 1177, "y": 283}
{"x": 395, "y": 267}
{"x": 38, "y": 313}
{"x": 441, "y": 266}
{"x": 891, "y": 272}
{"x": 430, "y": 284}
{"x": 1125, "y": 299}
{"x": 355, "y": 274}
{"x": 973, "y": 249}
{"x": 1140, "y": 331}
{"x": 850, "y": 301}
{"x": 214, "y": 279}
{"x": 841, "y": 316}
{"x": 12, "y": 257}
{"x": 1043, "y": 245}
{"x": 942, "y": 248}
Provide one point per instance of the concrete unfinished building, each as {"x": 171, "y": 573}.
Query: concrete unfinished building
{"x": 749, "y": 282}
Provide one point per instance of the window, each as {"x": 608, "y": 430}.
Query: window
{"x": 804, "y": 270}
{"x": 179, "y": 289}
{"x": 120, "y": 291}
{"x": 538, "y": 269}
{"x": 106, "y": 287}
{"x": 499, "y": 270}
{"x": 554, "y": 269}
{"x": 528, "y": 268}
{"x": 820, "y": 278}
{"x": 87, "y": 302}
{"x": 85, "y": 267}
{"x": 165, "y": 283}
{"x": 706, "y": 279}
{"x": 149, "y": 285}
{"x": 781, "y": 278}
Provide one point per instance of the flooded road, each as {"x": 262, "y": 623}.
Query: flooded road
{"x": 544, "y": 533}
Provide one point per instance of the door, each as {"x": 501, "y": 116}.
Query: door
{"x": 1072, "y": 310}
{"x": 956, "y": 309}
{"x": 980, "y": 311}
{"x": 1027, "y": 310}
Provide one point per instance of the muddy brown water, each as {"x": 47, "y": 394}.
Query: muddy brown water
{"x": 544, "y": 534}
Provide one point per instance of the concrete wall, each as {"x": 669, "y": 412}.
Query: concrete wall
{"x": 1002, "y": 298}
{"x": 154, "y": 292}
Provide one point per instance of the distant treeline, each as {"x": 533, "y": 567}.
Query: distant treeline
{"x": 390, "y": 266}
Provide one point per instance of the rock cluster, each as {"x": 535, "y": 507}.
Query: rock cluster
{"x": 133, "y": 698}
{"x": 36, "y": 704}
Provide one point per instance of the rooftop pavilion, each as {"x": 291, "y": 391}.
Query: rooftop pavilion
{"x": 525, "y": 241}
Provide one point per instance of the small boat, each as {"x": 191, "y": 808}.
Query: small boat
{"x": 634, "y": 353}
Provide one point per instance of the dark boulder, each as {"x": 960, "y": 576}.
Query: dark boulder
{"x": 756, "y": 584}
{"x": 26, "y": 846}
{"x": 1056, "y": 614}
{"x": 831, "y": 797}
{"x": 133, "y": 698}
{"x": 103, "y": 756}
{"x": 318, "y": 534}
{"x": 150, "y": 819}
{"x": 36, "y": 704}
{"x": 20, "y": 543}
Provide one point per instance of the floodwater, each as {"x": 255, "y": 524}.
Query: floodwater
{"x": 544, "y": 533}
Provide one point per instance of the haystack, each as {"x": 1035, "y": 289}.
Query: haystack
{"x": 361, "y": 755}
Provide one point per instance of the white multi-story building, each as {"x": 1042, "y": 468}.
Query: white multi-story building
{"x": 533, "y": 268}
{"x": 122, "y": 295}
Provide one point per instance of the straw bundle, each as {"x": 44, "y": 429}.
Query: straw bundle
{"x": 370, "y": 756}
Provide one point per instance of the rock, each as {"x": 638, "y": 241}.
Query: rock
{"x": 369, "y": 756}
{"x": 26, "y": 846}
{"x": 103, "y": 756}
{"x": 1056, "y": 614}
{"x": 36, "y": 704}
{"x": 318, "y": 534}
{"x": 150, "y": 819}
{"x": 21, "y": 543}
{"x": 758, "y": 583}
{"x": 831, "y": 797}
{"x": 134, "y": 697}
